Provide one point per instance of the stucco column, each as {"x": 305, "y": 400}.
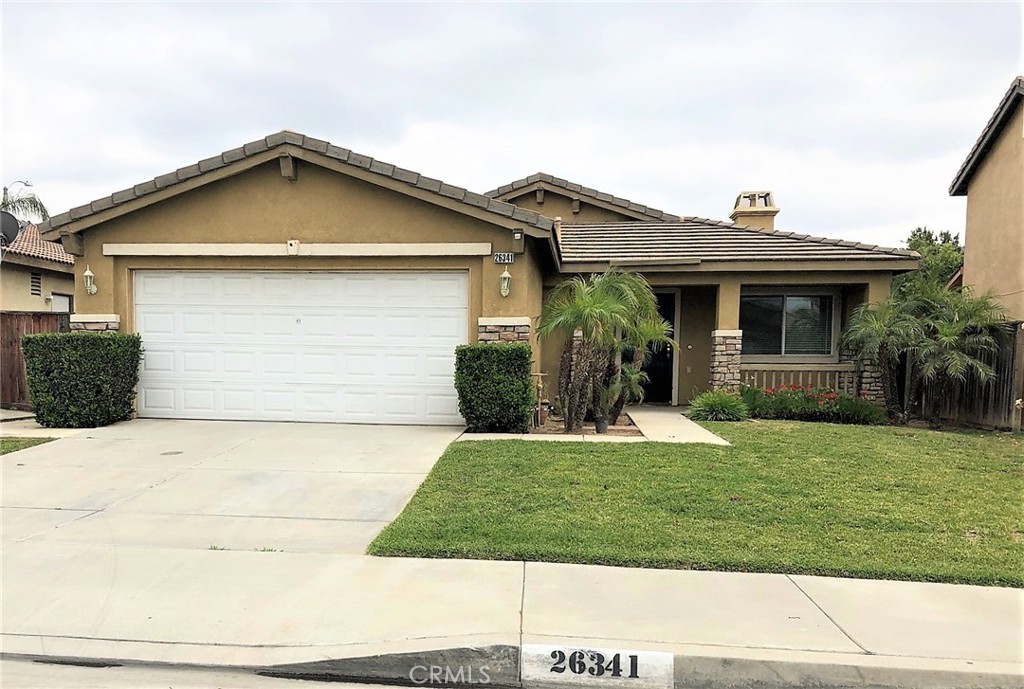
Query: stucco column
{"x": 878, "y": 289}
{"x": 726, "y": 338}
{"x": 727, "y": 312}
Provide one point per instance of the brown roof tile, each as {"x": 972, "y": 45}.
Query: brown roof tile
{"x": 703, "y": 240}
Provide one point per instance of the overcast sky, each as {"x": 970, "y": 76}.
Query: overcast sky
{"x": 857, "y": 116}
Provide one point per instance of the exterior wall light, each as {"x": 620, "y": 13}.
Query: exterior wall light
{"x": 506, "y": 283}
{"x": 90, "y": 281}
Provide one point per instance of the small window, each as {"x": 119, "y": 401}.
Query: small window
{"x": 36, "y": 284}
{"x": 786, "y": 325}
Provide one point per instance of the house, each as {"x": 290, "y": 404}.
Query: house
{"x": 992, "y": 179}
{"x": 36, "y": 275}
{"x": 291, "y": 279}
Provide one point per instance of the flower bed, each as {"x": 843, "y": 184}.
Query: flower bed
{"x": 804, "y": 403}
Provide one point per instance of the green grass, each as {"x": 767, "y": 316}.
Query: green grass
{"x": 878, "y": 502}
{"x": 15, "y": 444}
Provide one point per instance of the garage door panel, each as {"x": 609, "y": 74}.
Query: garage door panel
{"x": 345, "y": 347}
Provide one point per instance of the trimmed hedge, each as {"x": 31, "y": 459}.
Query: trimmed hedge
{"x": 494, "y": 386}
{"x": 81, "y": 379}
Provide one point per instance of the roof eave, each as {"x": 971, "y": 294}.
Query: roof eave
{"x": 892, "y": 265}
{"x": 8, "y": 256}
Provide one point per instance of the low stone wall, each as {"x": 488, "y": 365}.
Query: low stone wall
{"x": 95, "y": 322}
{"x": 510, "y": 329}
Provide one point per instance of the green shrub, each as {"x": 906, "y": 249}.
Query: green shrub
{"x": 494, "y": 386}
{"x": 857, "y": 410}
{"x": 82, "y": 380}
{"x": 718, "y": 405}
{"x": 804, "y": 403}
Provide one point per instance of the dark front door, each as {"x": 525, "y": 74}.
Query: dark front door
{"x": 659, "y": 389}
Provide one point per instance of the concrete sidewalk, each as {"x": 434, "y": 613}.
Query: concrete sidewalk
{"x": 358, "y": 617}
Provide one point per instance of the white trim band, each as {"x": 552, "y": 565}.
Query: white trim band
{"x": 95, "y": 318}
{"x": 503, "y": 320}
{"x": 726, "y": 333}
{"x": 299, "y": 249}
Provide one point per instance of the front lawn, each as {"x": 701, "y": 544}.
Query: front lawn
{"x": 879, "y": 502}
{"x": 15, "y": 444}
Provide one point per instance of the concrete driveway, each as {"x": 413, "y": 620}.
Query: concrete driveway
{"x": 314, "y": 488}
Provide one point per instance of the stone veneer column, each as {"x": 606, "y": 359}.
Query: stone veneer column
{"x": 867, "y": 381}
{"x": 503, "y": 329}
{"x": 95, "y": 322}
{"x": 725, "y": 359}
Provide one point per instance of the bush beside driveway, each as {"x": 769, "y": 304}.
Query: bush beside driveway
{"x": 872, "y": 502}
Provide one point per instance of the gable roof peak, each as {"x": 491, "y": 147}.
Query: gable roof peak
{"x": 593, "y": 196}
{"x": 286, "y": 137}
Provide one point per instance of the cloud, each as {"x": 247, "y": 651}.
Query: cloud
{"x": 856, "y": 115}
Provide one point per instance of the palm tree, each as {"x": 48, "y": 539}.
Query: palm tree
{"x": 23, "y": 204}
{"x": 882, "y": 333}
{"x": 600, "y": 317}
{"x": 961, "y": 331}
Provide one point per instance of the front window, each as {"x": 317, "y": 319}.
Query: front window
{"x": 786, "y": 325}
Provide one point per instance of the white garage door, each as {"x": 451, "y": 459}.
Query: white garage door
{"x": 354, "y": 347}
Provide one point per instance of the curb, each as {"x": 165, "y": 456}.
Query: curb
{"x": 529, "y": 667}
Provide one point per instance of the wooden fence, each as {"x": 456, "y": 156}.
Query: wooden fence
{"x": 13, "y": 325}
{"x": 995, "y": 405}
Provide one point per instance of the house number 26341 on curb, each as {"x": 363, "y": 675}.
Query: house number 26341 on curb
{"x": 596, "y": 664}
{"x": 557, "y": 666}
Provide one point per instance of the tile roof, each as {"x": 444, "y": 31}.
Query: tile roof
{"x": 625, "y": 204}
{"x": 988, "y": 137}
{"x": 344, "y": 155}
{"x": 704, "y": 241}
{"x": 30, "y": 243}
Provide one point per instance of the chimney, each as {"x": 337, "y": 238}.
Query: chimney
{"x": 756, "y": 209}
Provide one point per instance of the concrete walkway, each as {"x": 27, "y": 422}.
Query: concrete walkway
{"x": 668, "y": 425}
{"x": 26, "y": 427}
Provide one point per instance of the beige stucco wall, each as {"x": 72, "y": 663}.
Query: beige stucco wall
{"x": 15, "y": 291}
{"x": 560, "y": 206}
{"x": 323, "y": 206}
{"x": 994, "y": 239}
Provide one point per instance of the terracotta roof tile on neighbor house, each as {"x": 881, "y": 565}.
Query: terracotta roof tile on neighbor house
{"x": 572, "y": 187}
{"x": 699, "y": 240}
{"x": 307, "y": 143}
{"x": 1007, "y": 106}
{"x": 30, "y": 243}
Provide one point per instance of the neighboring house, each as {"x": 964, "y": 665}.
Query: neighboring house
{"x": 992, "y": 179}
{"x": 291, "y": 279}
{"x": 36, "y": 275}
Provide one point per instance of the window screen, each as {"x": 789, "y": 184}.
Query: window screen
{"x": 790, "y": 325}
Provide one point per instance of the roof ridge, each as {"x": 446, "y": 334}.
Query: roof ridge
{"x": 589, "y": 192}
{"x": 313, "y": 145}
